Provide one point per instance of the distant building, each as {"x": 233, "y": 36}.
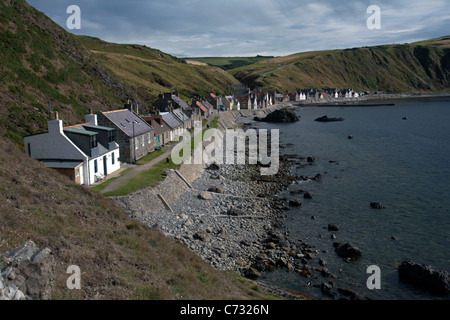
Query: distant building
{"x": 85, "y": 153}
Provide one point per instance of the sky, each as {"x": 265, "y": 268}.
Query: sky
{"x": 205, "y": 28}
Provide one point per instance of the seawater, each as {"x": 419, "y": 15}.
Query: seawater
{"x": 403, "y": 164}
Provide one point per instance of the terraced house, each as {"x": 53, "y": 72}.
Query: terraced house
{"x": 86, "y": 153}
{"x": 133, "y": 134}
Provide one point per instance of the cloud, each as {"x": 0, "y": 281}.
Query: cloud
{"x": 236, "y": 27}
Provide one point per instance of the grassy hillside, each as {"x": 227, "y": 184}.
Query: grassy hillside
{"x": 119, "y": 258}
{"x": 394, "y": 68}
{"x": 41, "y": 64}
{"x": 230, "y": 62}
{"x": 151, "y": 71}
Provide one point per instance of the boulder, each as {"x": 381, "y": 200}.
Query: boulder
{"x": 348, "y": 251}
{"x": 424, "y": 277}
{"x": 376, "y": 205}
{"x": 307, "y": 195}
{"x": 27, "y": 273}
{"x": 295, "y": 203}
{"x": 282, "y": 115}
{"x": 318, "y": 177}
{"x": 204, "y": 195}
{"x": 332, "y": 227}
{"x": 201, "y": 235}
{"x": 216, "y": 189}
{"x": 327, "y": 119}
{"x": 251, "y": 273}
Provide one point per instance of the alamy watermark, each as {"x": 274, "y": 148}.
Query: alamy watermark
{"x": 374, "y": 281}
{"x": 229, "y": 147}
{"x": 74, "y": 281}
{"x": 374, "y": 21}
{"x": 73, "y": 21}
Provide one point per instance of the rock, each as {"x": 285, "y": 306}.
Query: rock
{"x": 295, "y": 203}
{"x": 376, "y": 205}
{"x": 201, "y": 235}
{"x": 216, "y": 189}
{"x": 251, "y": 273}
{"x": 310, "y": 159}
{"x": 318, "y": 177}
{"x": 281, "y": 115}
{"x": 348, "y": 251}
{"x": 424, "y": 277}
{"x": 27, "y": 273}
{"x": 307, "y": 195}
{"x": 350, "y": 137}
{"x": 332, "y": 227}
{"x": 327, "y": 289}
{"x": 214, "y": 166}
{"x": 270, "y": 245}
{"x": 204, "y": 195}
{"x": 346, "y": 294}
{"x": 327, "y": 119}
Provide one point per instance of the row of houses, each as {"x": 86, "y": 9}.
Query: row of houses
{"x": 88, "y": 152}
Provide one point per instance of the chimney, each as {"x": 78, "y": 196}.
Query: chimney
{"x": 54, "y": 124}
{"x": 128, "y": 105}
{"x": 91, "y": 118}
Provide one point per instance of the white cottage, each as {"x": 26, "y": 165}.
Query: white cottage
{"x": 85, "y": 153}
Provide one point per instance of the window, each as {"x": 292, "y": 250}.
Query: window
{"x": 135, "y": 143}
{"x": 143, "y": 140}
{"x": 95, "y": 166}
{"x": 93, "y": 141}
{"x": 112, "y": 158}
{"x": 149, "y": 138}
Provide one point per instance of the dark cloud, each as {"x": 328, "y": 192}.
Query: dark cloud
{"x": 250, "y": 27}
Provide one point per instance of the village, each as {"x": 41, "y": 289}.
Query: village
{"x": 88, "y": 152}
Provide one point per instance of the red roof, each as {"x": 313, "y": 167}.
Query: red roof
{"x": 201, "y": 106}
{"x": 213, "y": 95}
{"x": 242, "y": 99}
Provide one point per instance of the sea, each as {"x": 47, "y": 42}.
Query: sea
{"x": 400, "y": 157}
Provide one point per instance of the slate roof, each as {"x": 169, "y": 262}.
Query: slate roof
{"x": 179, "y": 101}
{"x": 181, "y": 115}
{"x": 171, "y": 120}
{"x": 123, "y": 119}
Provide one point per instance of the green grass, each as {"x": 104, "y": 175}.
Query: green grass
{"x": 148, "y": 178}
{"x": 151, "y": 156}
{"x": 214, "y": 122}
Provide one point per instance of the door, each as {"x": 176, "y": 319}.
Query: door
{"x": 105, "y": 166}
{"x": 157, "y": 142}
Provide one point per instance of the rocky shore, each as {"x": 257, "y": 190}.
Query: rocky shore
{"x": 232, "y": 217}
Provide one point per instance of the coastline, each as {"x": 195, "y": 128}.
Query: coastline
{"x": 370, "y": 100}
{"x": 233, "y": 217}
